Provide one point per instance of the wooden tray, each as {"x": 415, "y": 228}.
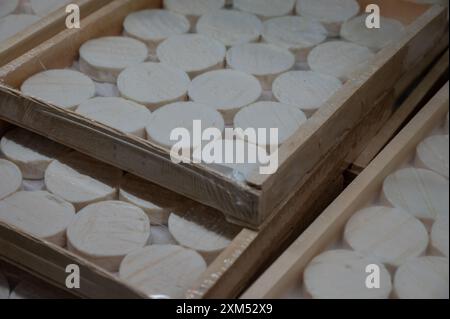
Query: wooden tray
{"x": 326, "y": 230}
{"x": 43, "y": 30}
{"x": 319, "y": 149}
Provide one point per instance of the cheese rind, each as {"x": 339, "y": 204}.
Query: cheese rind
{"x": 38, "y": 213}
{"x": 339, "y": 59}
{"x": 10, "y": 178}
{"x": 265, "y": 61}
{"x": 153, "y": 84}
{"x": 63, "y": 88}
{"x": 162, "y": 271}
{"x": 81, "y": 180}
{"x": 423, "y": 278}
{"x": 389, "y": 235}
{"x": 4, "y": 287}
{"x": 420, "y": 192}
{"x": 341, "y": 274}
{"x": 226, "y": 91}
{"x": 32, "y": 153}
{"x": 7, "y": 7}
{"x": 193, "y": 53}
{"x": 433, "y": 154}
{"x": 306, "y": 90}
{"x": 104, "y": 58}
{"x": 265, "y": 8}
{"x": 43, "y": 8}
{"x": 106, "y": 232}
{"x": 440, "y": 237}
{"x": 15, "y": 23}
{"x": 230, "y": 27}
{"x": 123, "y": 115}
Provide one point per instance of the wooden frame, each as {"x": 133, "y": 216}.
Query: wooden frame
{"x": 250, "y": 204}
{"x": 287, "y": 270}
{"x": 43, "y": 30}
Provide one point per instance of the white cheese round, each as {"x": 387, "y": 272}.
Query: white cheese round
{"x": 181, "y": 115}
{"x": 162, "y": 271}
{"x": 14, "y": 23}
{"x": 43, "y": 8}
{"x": 423, "y": 278}
{"x": 331, "y": 13}
{"x": 10, "y": 178}
{"x": 230, "y": 27}
{"x": 420, "y": 192}
{"x": 356, "y": 31}
{"x": 104, "y": 58}
{"x": 38, "y": 213}
{"x": 125, "y": 116}
{"x": 193, "y": 9}
{"x": 269, "y": 115}
{"x": 63, "y": 88}
{"x": 105, "y": 232}
{"x": 439, "y": 237}
{"x": 81, "y": 180}
{"x": 265, "y": 61}
{"x": 306, "y": 90}
{"x": 192, "y": 53}
{"x": 32, "y": 153}
{"x": 162, "y": 236}
{"x": 154, "y": 26}
{"x": 153, "y": 84}
{"x": 203, "y": 230}
{"x": 341, "y": 274}
{"x": 297, "y": 34}
{"x": 389, "y": 235}
{"x": 4, "y": 287}
{"x": 432, "y": 154}
{"x": 339, "y": 59}
{"x": 7, "y": 7}
{"x": 30, "y": 185}
{"x": 265, "y": 8}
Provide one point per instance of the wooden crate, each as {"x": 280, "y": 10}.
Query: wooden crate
{"x": 327, "y": 229}
{"x": 43, "y": 30}
{"x": 320, "y": 148}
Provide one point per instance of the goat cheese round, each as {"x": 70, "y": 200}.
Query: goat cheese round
{"x": 63, "y": 88}
{"x": 265, "y": 8}
{"x": 105, "y": 232}
{"x": 439, "y": 236}
{"x": 40, "y": 214}
{"x": 193, "y": 9}
{"x": 10, "y": 178}
{"x": 7, "y": 7}
{"x": 432, "y": 154}
{"x": 14, "y": 23}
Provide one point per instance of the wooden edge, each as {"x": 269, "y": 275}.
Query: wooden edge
{"x": 288, "y": 268}
{"x": 404, "y": 113}
{"x": 42, "y": 30}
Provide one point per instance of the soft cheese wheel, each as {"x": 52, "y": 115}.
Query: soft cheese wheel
{"x": 331, "y": 13}
{"x": 356, "y": 31}
{"x": 423, "y": 278}
{"x": 154, "y": 26}
{"x": 193, "y": 9}
{"x": 153, "y": 84}
{"x": 389, "y": 235}
{"x": 203, "y": 230}
{"x": 39, "y": 213}
{"x": 81, "y": 180}
{"x": 432, "y": 154}
{"x": 14, "y": 23}
{"x": 420, "y": 192}
{"x": 123, "y": 115}
{"x": 265, "y": 61}
{"x": 181, "y": 115}
{"x": 162, "y": 236}
{"x": 33, "y": 185}
{"x": 265, "y": 8}
{"x": 63, "y": 88}
{"x": 269, "y": 115}
{"x": 439, "y": 236}
{"x": 32, "y": 153}
{"x": 4, "y": 287}
{"x": 306, "y": 90}
{"x": 104, "y": 58}
{"x": 7, "y": 7}
{"x": 339, "y": 59}
{"x": 226, "y": 91}
{"x": 44, "y": 7}
{"x": 192, "y": 53}
{"x": 10, "y": 178}
{"x": 341, "y": 274}
{"x": 230, "y": 27}
{"x": 162, "y": 271}
{"x": 297, "y": 34}
{"x": 106, "y": 232}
